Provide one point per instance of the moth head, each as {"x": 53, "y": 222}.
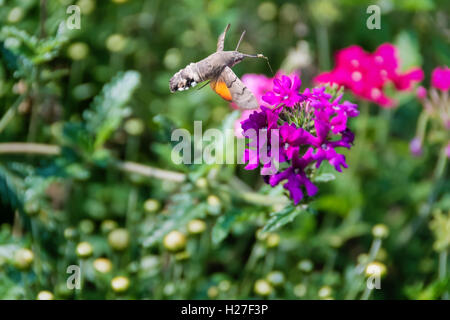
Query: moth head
{"x": 236, "y": 57}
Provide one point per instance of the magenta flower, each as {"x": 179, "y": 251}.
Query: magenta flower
{"x": 258, "y": 84}
{"x": 440, "y": 78}
{"x": 421, "y": 93}
{"x": 415, "y": 146}
{"x": 285, "y": 91}
{"x": 367, "y": 74}
{"x": 307, "y": 128}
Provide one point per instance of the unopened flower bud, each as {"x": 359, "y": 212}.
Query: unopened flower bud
{"x": 84, "y": 250}
{"x": 380, "y": 231}
{"x": 102, "y": 265}
{"x": 151, "y": 205}
{"x": 196, "y": 226}
{"x": 375, "y": 269}
{"x": 44, "y": 295}
{"x": 174, "y": 241}
{"x": 23, "y": 258}
{"x": 262, "y": 287}
{"x": 119, "y": 239}
{"x": 120, "y": 284}
{"x": 276, "y": 278}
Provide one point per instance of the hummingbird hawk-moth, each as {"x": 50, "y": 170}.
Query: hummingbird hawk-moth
{"x": 217, "y": 69}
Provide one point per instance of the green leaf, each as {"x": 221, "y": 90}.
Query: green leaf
{"x": 283, "y": 217}
{"x": 324, "y": 177}
{"x": 223, "y": 226}
{"x": 108, "y": 108}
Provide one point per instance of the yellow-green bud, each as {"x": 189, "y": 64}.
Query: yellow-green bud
{"x": 108, "y": 225}
{"x": 380, "y": 231}
{"x": 134, "y": 126}
{"x": 78, "y": 51}
{"x": 44, "y": 295}
{"x": 120, "y": 284}
{"x": 325, "y": 292}
{"x": 102, "y": 265}
{"x": 116, "y": 42}
{"x": 151, "y": 205}
{"x": 273, "y": 240}
{"x": 262, "y": 287}
{"x": 196, "y": 226}
{"x": 375, "y": 268}
{"x": 300, "y": 290}
{"x": 305, "y": 265}
{"x": 276, "y": 278}
{"x": 23, "y": 258}
{"x": 84, "y": 250}
{"x": 213, "y": 292}
{"x": 119, "y": 239}
{"x": 174, "y": 241}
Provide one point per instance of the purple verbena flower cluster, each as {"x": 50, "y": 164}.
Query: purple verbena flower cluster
{"x": 300, "y": 132}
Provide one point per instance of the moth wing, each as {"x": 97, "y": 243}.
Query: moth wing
{"x": 239, "y": 93}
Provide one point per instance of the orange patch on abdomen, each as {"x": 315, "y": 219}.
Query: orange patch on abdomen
{"x": 221, "y": 89}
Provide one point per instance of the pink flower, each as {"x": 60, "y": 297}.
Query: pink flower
{"x": 440, "y": 78}
{"x": 367, "y": 74}
{"x": 421, "y": 93}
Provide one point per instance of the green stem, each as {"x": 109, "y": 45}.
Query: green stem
{"x": 324, "y": 49}
{"x": 426, "y": 211}
{"x": 443, "y": 269}
{"x": 9, "y": 115}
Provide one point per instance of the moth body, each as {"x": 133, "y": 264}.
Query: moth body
{"x": 217, "y": 69}
{"x": 207, "y": 69}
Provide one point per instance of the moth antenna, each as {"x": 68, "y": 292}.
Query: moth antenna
{"x": 221, "y": 39}
{"x": 240, "y": 39}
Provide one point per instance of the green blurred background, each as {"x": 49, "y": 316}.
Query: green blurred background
{"x": 79, "y": 206}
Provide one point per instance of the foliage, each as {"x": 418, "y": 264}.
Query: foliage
{"x": 105, "y": 195}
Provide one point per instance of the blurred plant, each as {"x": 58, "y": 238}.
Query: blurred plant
{"x": 367, "y": 75}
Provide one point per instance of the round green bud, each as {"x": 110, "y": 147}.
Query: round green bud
{"x": 134, "y": 126}
{"x": 84, "y": 250}
{"x": 300, "y": 290}
{"x": 213, "y": 292}
{"x": 273, "y": 240}
{"x": 375, "y": 268}
{"x": 116, "y": 42}
{"x": 201, "y": 183}
{"x": 78, "y": 51}
{"x": 224, "y": 285}
{"x": 262, "y": 287}
{"x": 70, "y": 233}
{"x": 380, "y": 231}
{"x": 120, "y": 284}
{"x": 119, "y": 239}
{"x": 108, "y": 225}
{"x": 305, "y": 265}
{"x": 276, "y": 278}
{"x": 102, "y": 265}
{"x": 23, "y": 258}
{"x": 87, "y": 226}
{"x": 152, "y": 205}
{"x": 174, "y": 241}
{"x": 196, "y": 226}
{"x": 45, "y": 295}
{"x": 325, "y": 292}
